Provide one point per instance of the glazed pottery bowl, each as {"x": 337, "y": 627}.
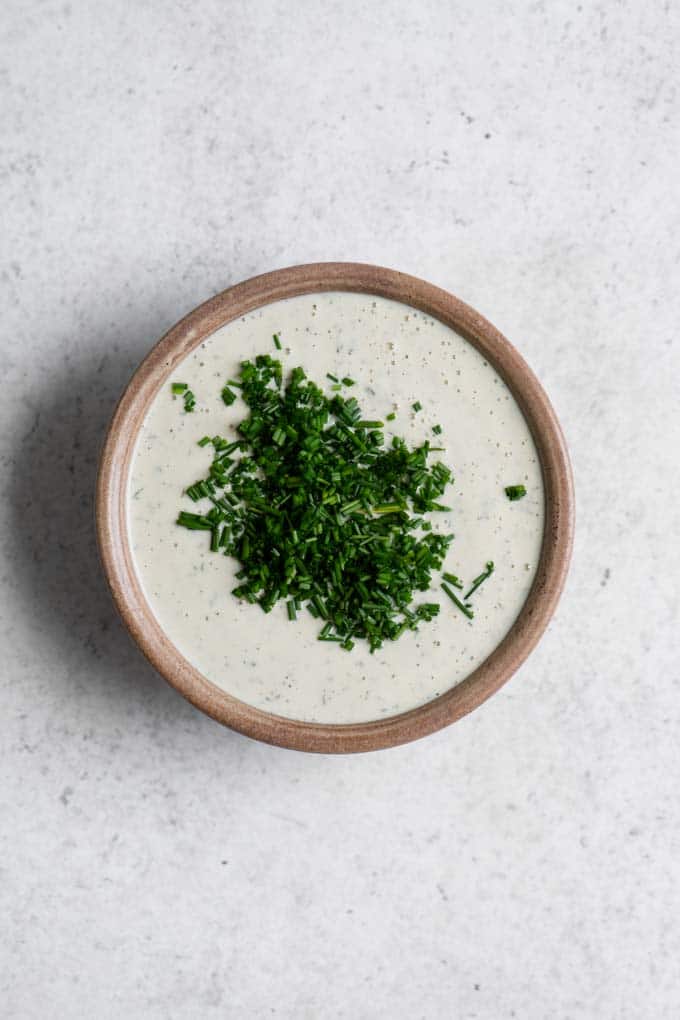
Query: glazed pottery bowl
{"x": 115, "y": 545}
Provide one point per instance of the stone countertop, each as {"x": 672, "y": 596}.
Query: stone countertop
{"x": 523, "y": 863}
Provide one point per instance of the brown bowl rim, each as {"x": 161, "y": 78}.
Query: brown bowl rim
{"x": 115, "y": 551}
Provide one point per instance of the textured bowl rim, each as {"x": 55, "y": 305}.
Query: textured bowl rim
{"x": 111, "y": 511}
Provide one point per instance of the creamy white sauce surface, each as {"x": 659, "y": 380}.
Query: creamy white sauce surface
{"x": 397, "y": 355}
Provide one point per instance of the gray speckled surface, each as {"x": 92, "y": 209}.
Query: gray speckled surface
{"x": 522, "y": 864}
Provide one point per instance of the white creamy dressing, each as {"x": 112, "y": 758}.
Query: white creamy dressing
{"x": 397, "y": 355}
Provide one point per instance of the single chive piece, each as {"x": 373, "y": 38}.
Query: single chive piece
{"x": 189, "y": 401}
{"x": 336, "y": 387}
{"x": 456, "y": 601}
{"x": 417, "y": 406}
{"x": 230, "y": 447}
{"x": 204, "y": 441}
{"x": 437, "y": 429}
{"x": 391, "y": 416}
{"x": 194, "y": 522}
{"x": 333, "y": 378}
{"x": 452, "y": 579}
{"x": 228, "y": 396}
{"x": 487, "y": 572}
{"x": 290, "y": 606}
{"x": 370, "y": 425}
{"x": 514, "y": 492}
{"x": 179, "y": 387}
{"x": 388, "y": 508}
{"x": 347, "y": 381}
{"x": 277, "y": 342}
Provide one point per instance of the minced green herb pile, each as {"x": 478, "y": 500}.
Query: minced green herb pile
{"x": 320, "y": 511}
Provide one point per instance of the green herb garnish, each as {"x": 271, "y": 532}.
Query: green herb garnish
{"x": 391, "y": 416}
{"x": 195, "y": 522}
{"x": 182, "y": 389}
{"x": 321, "y": 512}
{"x": 347, "y": 381}
{"x": 277, "y": 341}
{"x": 514, "y": 492}
{"x": 487, "y": 572}
{"x": 456, "y": 601}
{"x": 437, "y": 429}
{"x": 417, "y": 406}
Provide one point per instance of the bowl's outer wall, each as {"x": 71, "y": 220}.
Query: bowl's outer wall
{"x": 111, "y": 511}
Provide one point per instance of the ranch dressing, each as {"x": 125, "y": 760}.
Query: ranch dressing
{"x": 398, "y": 356}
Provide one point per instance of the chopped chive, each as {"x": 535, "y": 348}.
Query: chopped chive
{"x": 194, "y": 522}
{"x": 391, "y": 416}
{"x": 347, "y": 381}
{"x": 487, "y": 572}
{"x": 452, "y": 579}
{"x": 515, "y": 492}
{"x": 333, "y": 378}
{"x": 456, "y": 601}
{"x": 437, "y": 429}
{"x": 179, "y": 387}
{"x": 277, "y": 342}
{"x": 189, "y": 401}
{"x": 417, "y": 406}
{"x": 319, "y": 511}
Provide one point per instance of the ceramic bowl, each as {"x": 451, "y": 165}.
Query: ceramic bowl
{"x": 114, "y": 543}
